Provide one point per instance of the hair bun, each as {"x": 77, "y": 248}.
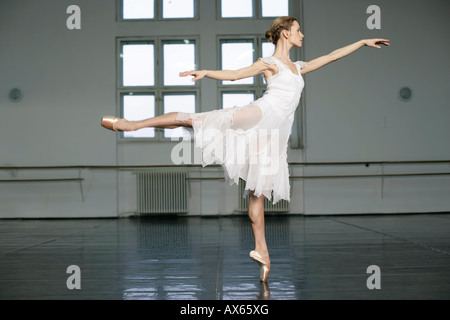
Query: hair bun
{"x": 278, "y": 25}
{"x": 269, "y": 35}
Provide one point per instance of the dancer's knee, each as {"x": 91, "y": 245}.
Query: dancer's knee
{"x": 246, "y": 117}
{"x": 256, "y": 205}
{"x": 255, "y": 197}
{"x": 182, "y": 122}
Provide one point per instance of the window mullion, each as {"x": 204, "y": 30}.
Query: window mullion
{"x": 158, "y": 93}
{"x": 257, "y": 10}
{"x": 160, "y": 110}
{"x": 158, "y": 10}
{"x": 158, "y": 64}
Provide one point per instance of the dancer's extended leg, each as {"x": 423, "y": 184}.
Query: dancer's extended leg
{"x": 163, "y": 121}
{"x": 244, "y": 118}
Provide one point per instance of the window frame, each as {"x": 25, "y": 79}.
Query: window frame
{"x": 172, "y": 40}
{"x": 158, "y": 89}
{"x": 207, "y": 91}
{"x": 238, "y": 39}
{"x": 119, "y": 82}
{"x": 158, "y": 13}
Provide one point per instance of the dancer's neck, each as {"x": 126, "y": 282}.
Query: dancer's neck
{"x": 282, "y": 51}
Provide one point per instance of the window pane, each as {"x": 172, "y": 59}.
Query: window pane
{"x": 138, "y": 9}
{"x": 178, "y": 103}
{"x": 178, "y": 58}
{"x": 275, "y": 8}
{"x": 237, "y": 8}
{"x": 178, "y": 8}
{"x": 138, "y": 65}
{"x": 268, "y": 48}
{"x": 236, "y": 56}
{"x": 139, "y": 107}
{"x": 229, "y": 100}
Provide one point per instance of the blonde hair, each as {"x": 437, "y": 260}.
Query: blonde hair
{"x": 278, "y": 25}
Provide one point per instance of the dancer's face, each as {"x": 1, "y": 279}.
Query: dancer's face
{"x": 295, "y": 36}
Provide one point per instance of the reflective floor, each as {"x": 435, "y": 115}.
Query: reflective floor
{"x": 324, "y": 257}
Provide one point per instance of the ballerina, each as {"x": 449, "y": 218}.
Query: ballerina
{"x": 268, "y": 120}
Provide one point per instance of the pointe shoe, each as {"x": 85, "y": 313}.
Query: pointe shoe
{"x": 264, "y": 269}
{"x": 110, "y": 123}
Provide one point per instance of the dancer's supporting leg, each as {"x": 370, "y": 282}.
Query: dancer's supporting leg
{"x": 256, "y": 215}
{"x": 163, "y": 121}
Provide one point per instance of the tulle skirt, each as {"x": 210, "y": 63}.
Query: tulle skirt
{"x": 248, "y": 143}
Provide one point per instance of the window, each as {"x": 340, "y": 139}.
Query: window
{"x": 138, "y": 9}
{"x": 231, "y": 99}
{"x": 154, "y": 46}
{"x": 268, "y": 48}
{"x": 274, "y": 8}
{"x": 236, "y": 8}
{"x": 253, "y": 8}
{"x": 241, "y": 53}
{"x": 148, "y": 88}
{"x": 138, "y": 107}
{"x": 138, "y": 63}
{"x": 237, "y": 54}
{"x": 178, "y": 56}
{"x": 178, "y": 9}
{"x": 157, "y": 9}
{"x": 174, "y": 102}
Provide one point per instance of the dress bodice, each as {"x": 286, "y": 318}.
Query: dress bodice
{"x": 284, "y": 88}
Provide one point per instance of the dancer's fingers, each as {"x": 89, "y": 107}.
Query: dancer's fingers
{"x": 374, "y": 42}
{"x": 196, "y": 74}
{"x": 382, "y": 41}
{"x": 185, "y": 73}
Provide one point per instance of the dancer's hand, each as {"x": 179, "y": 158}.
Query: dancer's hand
{"x": 374, "y": 42}
{"x": 198, "y": 74}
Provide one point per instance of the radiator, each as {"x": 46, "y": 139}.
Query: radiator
{"x": 280, "y": 206}
{"x": 161, "y": 192}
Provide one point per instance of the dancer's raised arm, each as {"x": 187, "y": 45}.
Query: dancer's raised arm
{"x": 342, "y": 52}
{"x": 232, "y": 75}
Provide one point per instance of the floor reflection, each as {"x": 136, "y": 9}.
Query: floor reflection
{"x": 264, "y": 292}
{"x": 207, "y": 258}
{"x": 247, "y": 291}
{"x": 199, "y": 258}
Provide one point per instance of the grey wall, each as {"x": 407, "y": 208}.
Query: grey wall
{"x": 352, "y": 112}
{"x": 68, "y": 82}
{"x": 67, "y": 78}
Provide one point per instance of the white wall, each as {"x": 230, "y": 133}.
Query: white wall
{"x": 69, "y": 81}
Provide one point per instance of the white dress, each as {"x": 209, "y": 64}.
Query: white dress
{"x": 250, "y": 142}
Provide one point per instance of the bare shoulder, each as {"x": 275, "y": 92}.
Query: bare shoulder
{"x": 267, "y": 66}
{"x": 304, "y": 67}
